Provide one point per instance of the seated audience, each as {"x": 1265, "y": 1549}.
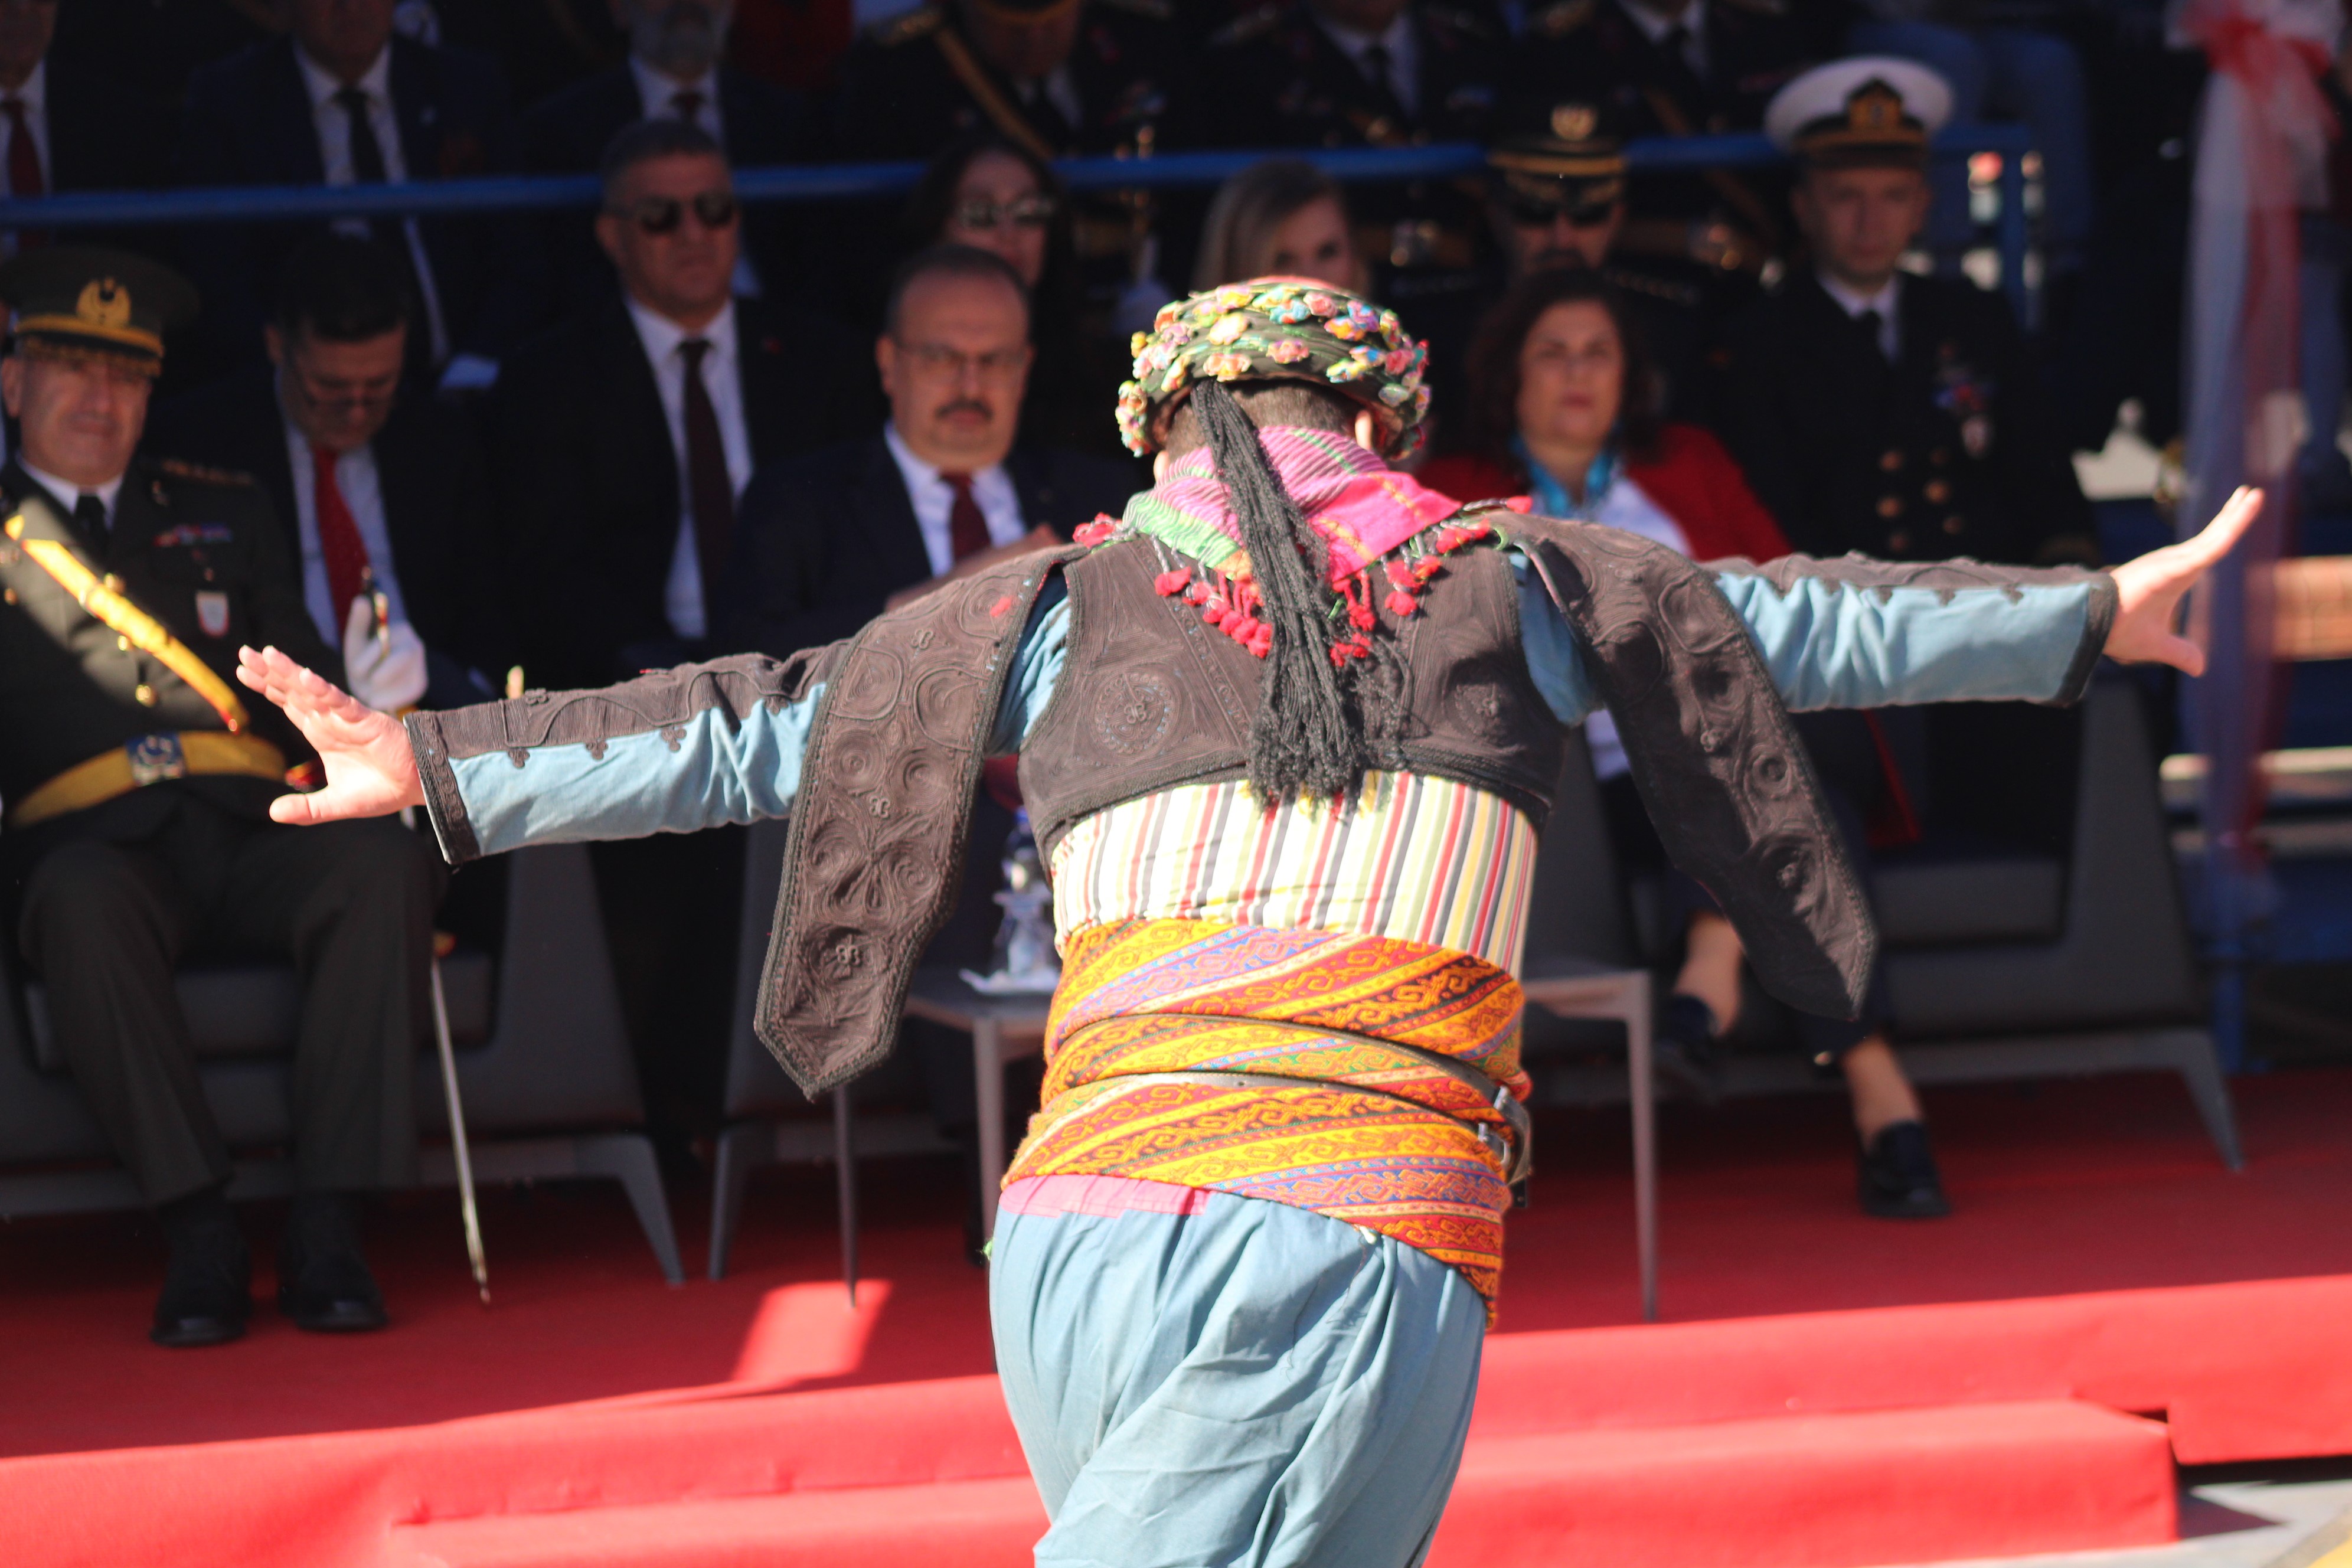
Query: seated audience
{"x": 1872, "y": 409}
{"x": 1367, "y": 73}
{"x": 340, "y": 100}
{"x": 138, "y": 782}
{"x": 620, "y": 442}
{"x": 1283, "y": 218}
{"x": 1057, "y": 77}
{"x": 1564, "y": 410}
{"x": 674, "y": 71}
{"x": 951, "y": 484}
{"x": 375, "y": 493}
{"x": 65, "y": 129}
{"x": 996, "y": 195}
{"x": 1675, "y": 68}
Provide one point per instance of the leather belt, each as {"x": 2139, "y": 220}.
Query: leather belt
{"x": 1517, "y": 1156}
{"x": 144, "y": 760}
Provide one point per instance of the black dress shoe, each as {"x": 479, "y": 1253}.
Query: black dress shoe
{"x": 1683, "y": 1049}
{"x": 323, "y": 1283}
{"x": 207, "y": 1286}
{"x": 1898, "y": 1175}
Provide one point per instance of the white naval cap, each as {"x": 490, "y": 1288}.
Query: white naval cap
{"x": 1870, "y": 109}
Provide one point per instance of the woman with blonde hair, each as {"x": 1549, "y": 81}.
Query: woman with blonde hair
{"x": 1282, "y": 218}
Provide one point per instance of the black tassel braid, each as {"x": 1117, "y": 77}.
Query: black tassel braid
{"x": 1310, "y": 734}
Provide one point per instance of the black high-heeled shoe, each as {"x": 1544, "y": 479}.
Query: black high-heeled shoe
{"x": 1685, "y": 1048}
{"x": 1897, "y": 1178}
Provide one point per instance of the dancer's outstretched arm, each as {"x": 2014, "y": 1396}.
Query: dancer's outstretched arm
{"x": 1856, "y": 633}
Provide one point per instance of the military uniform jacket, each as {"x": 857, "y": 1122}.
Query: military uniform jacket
{"x": 1274, "y": 78}
{"x": 914, "y": 82}
{"x": 199, "y": 550}
{"x": 1591, "y": 51}
{"x": 1948, "y": 451}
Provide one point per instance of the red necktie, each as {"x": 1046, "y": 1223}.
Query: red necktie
{"x": 686, "y": 106}
{"x": 339, "y": 539}
{"x": 967, "y": 524}
{"x": 24, "y": 165}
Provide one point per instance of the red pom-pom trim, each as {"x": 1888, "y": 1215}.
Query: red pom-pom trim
{"x": 1171, "y": 583}
{"x": 1094, "y": 533}
{"x": 1400, "y": 604}
{"x": 1520, "y": 503}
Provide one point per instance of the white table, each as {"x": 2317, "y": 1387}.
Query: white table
{"x": 1002, "y": 1029}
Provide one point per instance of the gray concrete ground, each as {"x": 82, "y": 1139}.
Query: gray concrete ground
{"x": 2295, "y": 1523}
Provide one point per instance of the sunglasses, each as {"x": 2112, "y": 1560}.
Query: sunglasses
{"x": 662, "y": 215}
{"x": 1022, "y": 212}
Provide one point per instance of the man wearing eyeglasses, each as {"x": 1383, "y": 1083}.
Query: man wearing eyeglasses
{"x": 377, "y": 494}
{"x": 619, "y": 445}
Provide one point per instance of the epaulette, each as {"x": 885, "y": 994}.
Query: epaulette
{"x": 920, "y": 22}
{"x": 1775, "y": 8}
{"x": 1559, "y": 20}
{"x": 1251, "y": 25}
{"x": 1150, "y": 10}
{"x": 202, "y": 473}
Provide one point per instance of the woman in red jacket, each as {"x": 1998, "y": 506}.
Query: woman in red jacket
{"x": 1562, "y": 409}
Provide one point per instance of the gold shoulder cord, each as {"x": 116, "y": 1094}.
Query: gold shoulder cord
{"x": 993, "y": 103}
{"x": 128, "y": 621}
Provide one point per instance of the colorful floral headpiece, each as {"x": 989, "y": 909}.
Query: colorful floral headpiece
{"x": 1280, "y": 329}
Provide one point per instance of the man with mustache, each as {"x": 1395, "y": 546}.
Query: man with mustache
{"x": 673, "y": 72}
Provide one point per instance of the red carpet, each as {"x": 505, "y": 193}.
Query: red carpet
{"x": 1827, "y": 1390}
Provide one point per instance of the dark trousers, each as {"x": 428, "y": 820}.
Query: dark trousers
{"x": 673, "y": 911}
{"x": 105, "y": 921}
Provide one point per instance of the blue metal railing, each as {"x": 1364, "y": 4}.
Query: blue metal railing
{"x": 844, "y": 182}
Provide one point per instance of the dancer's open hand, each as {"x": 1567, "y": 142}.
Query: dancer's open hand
{"x": 371, "y": 768}
{"x": 2148, "y": 590}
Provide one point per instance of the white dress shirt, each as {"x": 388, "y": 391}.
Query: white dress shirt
{"x": 933, "y": 498}
{"x": 1656, "y": 27}
{"x": 334, "y": 128}
{"x": 722, "y": 379}
{"x": 1404, "y": 54}
{"x": 357, "y": 482}
{"x": 65, "y": 492}
{"x": 1888, "y": 301}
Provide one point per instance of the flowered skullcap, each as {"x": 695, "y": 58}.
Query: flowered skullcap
{"x": 1280, "y": 329}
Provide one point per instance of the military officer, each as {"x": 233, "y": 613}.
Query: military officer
{"x": 137, "y": 786}
{"x": 1674, "y": 67}
{"x": 1873, "y": 409}
{"x": 1057, "y": 77}
{"x": 1367, "y": 73}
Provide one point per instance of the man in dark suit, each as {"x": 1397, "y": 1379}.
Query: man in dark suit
{"x": 340, "y": 101}
{"x": 137, "y": 784}
{"x": 672, "y": 71}
{"x": 827, "y": 540}
{"x": 619, "y": 443}
{"x": 373, "y": 491}
{"x": 63, "y": 129}
{"x": 1876, "y": 410}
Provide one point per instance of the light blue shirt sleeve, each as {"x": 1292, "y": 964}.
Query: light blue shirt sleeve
{"x": 1827, "y": 644}
{"x": 714, "y": 770}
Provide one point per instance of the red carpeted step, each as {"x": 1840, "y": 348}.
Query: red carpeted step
{"x": 952, "y": 1525}
{"x": 1816, "y": 1491}
{"x": 1809, "y": 1491}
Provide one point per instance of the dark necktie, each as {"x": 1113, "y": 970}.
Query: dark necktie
{"x": 707, "y": 485}
{"x": 90, "y": 520}
{"x": 1682, "y": 80}
{"x": 967, "y": 524}
{"x": 24, "y": 165}
{"x": 686, "y": 106}
{"x": 1381, "y": 70}
{"x": 367, "y": 169}
{"x": 1874, "y": 326}
{"x": 341, "y": 547}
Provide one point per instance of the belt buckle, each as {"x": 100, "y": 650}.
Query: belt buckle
{"x": 154, "y": 758}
